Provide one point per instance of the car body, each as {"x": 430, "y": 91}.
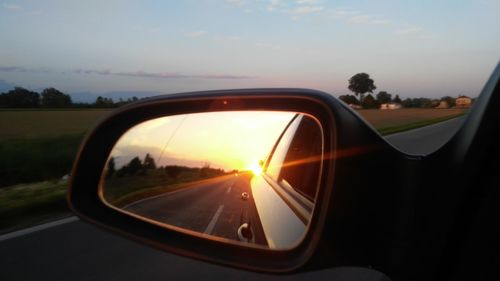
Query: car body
{"x": 285, "y": 207}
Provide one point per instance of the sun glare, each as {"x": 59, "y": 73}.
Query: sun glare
{"x": 256, "y": 169}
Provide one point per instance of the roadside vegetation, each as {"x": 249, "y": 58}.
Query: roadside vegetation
{"x": 141, "y": 178}
{"x": 40, "y": 134}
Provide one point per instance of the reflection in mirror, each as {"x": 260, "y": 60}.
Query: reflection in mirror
{"x": 248, "y": 176}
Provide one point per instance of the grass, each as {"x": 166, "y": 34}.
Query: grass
{"x": 27, "y": 204}
{"x": 36, "y": 159}
{"x": 401, "y": 128}
{"x": 36, "y": 145}
{"x": 381, "y": 119}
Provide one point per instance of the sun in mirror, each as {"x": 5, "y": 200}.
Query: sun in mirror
{"x": 248, "y": 176}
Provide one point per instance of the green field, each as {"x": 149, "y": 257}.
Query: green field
{"x": 37, "y": 148}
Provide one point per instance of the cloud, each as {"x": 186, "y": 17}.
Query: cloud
{"x": 23, "y": 69}
{"x": 138, "y": 74}
{"x": 12, "y": 7}
{"x": 307, "y": 2}
{"x": 234, "y": 38}
{"x": 12, "y": 69}
{"x": 274, "y": 4}
{"x": 409, "y": 30}
{"x": 236, "y": 2}
{"x": 306, "y": 10}
{"x": 359, "y": 19}
{"x": 367, "y": 19}
{"x": 195, "y": 34}
{"x": 89, "y": 71}
{"x": 381, "y": 22}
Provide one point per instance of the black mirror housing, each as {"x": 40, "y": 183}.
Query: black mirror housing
{"x": 348, "y": 224}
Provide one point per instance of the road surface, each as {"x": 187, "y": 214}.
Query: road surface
{"x": 214, "y": 207}
{"x": 426, "y": 139}
{"x": 73, "y": 250}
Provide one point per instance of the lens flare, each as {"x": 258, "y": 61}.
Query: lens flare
{"x": 256, "y": 169}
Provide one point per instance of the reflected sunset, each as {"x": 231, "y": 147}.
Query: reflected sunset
{"x": 223, "y": 140}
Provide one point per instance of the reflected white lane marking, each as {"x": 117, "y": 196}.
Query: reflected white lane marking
{"x": 212, "y": 223}
{"x": 36, "y": 228}
{"x": 229, "y": 189}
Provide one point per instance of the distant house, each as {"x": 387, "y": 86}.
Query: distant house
{"x": 391, "y": 106}
{"x": 463, "y": 102}
{"x": 443, "y": 104}
{"x": 355, "y": 106}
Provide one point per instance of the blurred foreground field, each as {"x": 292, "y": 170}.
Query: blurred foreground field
{"x": 47, "y": 123}
{"x": 52, "y": 123}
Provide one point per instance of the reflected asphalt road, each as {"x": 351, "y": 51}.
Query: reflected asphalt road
{"x": 212, "y": 206}
{"x": 78, "y": 251}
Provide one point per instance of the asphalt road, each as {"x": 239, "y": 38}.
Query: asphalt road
{"x": 214, "y": 207}
{"x": 427, "y": 139}
{"x": 73, "y": 250}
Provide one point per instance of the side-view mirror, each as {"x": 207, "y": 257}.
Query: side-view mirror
{"x": 258, "y": 179}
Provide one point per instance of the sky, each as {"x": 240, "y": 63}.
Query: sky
{"x": 419, "y": 48}
{"x": 230, "y": 140}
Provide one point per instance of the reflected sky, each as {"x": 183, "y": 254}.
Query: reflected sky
{"x": 227, "y": 140}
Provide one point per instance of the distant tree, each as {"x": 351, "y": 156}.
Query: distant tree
{"x": 103, "y": 102}
{"x": 369, "y": 102}
{"x": 360, "y": 84}
{"x": 54, "y": 98}
{"x": 383, "y": 97}
{"x": 408, "y": 103}
{"x": 111, "y": 168}
{"x": 449, "y": 100}
{"x": 149, "y": 162}
{"x": 397, "y": 99}
{"x": 349, "y": 99}
{"x": 131, "y": 168}
{"x": 20, "y": 97}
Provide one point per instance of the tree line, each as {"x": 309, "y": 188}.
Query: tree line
{"x": 361, "y": 83}
{"x": 52, "y": 98}
{"x": 136, "y": 166}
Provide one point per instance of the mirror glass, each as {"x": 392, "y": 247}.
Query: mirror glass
{"x": 247, "y": 176}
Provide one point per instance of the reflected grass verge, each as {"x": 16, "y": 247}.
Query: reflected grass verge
{"x": 25, "y": 205}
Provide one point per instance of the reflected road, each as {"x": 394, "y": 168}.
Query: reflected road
{"x": 214, "y": 206}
